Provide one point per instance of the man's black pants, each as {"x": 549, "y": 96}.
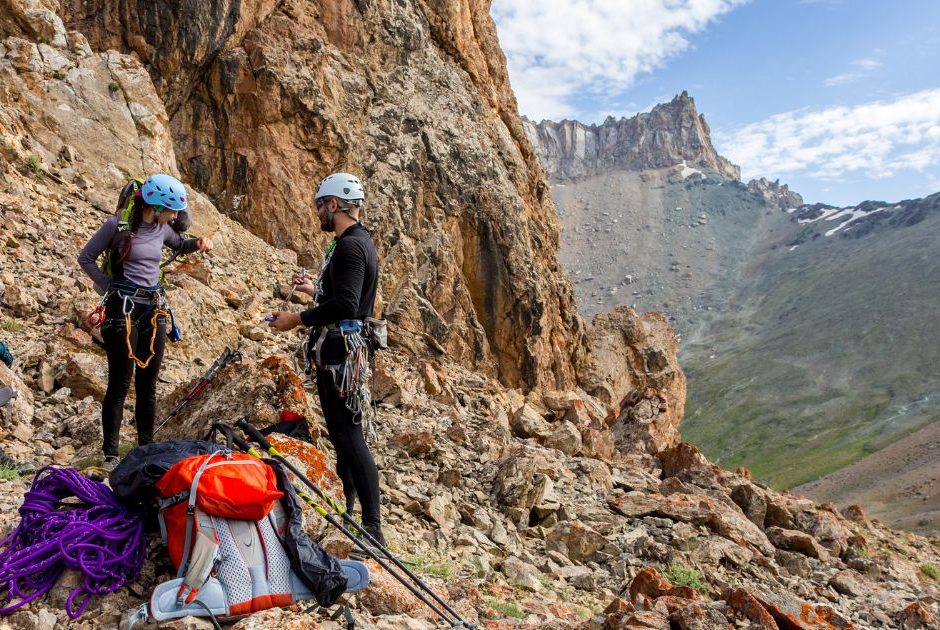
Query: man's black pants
{"x": 355, "y": 465}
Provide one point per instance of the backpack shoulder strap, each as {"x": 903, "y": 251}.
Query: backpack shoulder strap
{"x": 126, "y": 202}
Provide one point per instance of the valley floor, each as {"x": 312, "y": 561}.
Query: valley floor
{"x": 899, "y": 484}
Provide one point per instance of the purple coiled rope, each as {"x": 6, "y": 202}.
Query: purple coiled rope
{"x": 95, "y": 535}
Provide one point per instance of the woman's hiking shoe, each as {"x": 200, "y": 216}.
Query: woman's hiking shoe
{"x": 6, "y": 395}
{"x": 111, "y": 462}
{"x": 11, "y": 464}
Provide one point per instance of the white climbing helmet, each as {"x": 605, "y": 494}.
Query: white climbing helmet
{"x": 344, "y": 186}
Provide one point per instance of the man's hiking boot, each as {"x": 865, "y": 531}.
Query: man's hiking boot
{"x": 110, "y": 462}
{"x": 376, "y": 532}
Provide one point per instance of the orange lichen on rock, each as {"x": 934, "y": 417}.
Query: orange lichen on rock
{"x": 288, "y": 382}
{"x": 312, "y": 463}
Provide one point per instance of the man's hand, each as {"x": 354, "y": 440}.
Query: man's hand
{"x": 204, "y": 244}
{"x": 304, "y": 284}
{"x": 285, "y": 320}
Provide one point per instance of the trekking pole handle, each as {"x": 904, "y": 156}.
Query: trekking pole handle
{"x": 242, "y": 445}
{"x": 253, "y": 433}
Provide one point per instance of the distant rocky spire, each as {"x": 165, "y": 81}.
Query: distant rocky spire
{"x": 672, "y": 133}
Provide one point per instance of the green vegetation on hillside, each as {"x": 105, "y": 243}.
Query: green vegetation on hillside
{"x": 826, "y": 355}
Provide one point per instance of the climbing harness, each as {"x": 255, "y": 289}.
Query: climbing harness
{"x": 352, "y": 376}
{"x": 158, "y": 308}
{"x": 96, "y": 536}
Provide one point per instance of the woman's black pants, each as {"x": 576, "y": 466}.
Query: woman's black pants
{"x": 121, "y": 368}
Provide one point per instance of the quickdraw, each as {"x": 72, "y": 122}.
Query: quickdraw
{"x": 352, "y": 376}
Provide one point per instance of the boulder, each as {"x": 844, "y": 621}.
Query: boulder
{"x": 698, "y": 616}
{"x": 598, "y": 443}
{"x": 856, "y": 513}
{"x": 526, "y": 422}
{"x": 85, "y": 374}
{"x": 442, "y": 511}
{"x": 916, "y": 617}
{"x": 566, "y": 438}
{"x": 576, "y": 541}
{"x": 519, "y": 484}
{"x": 752, "y": 502}
{"x": 687, "y": 463}
{"x": 634, "y": 369}
{"x": 259, "y": 390}
{"x": 746, "y": 606}
{"x": 790, "y": 612}
{"x": 850, "y": 583}
{"x": 649, "y": 585}
{"x": 521, "y": 574}
{"x": 19, "y": 300}
{"x": 794, "y": 540}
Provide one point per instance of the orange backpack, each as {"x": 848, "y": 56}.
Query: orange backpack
{"x": 222, "y": 484}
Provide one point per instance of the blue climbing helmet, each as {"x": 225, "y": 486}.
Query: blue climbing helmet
{"x": 164, "y": 191}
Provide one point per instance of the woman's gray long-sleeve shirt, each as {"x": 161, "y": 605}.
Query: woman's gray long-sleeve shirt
{"x": 142, "y": 266}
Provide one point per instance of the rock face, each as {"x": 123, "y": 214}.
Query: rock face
{"x": 671, "y": 134}
{"x": 266, "y": 98}
{"x": 775, "y": 194}
{"x": 635, "y": 370}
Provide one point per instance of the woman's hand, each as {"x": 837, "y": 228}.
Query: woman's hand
{"x": 304, "y": 284}
{"x": 204, "y": 244}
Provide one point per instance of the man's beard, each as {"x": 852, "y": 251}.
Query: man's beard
{"x": 326, "y": 222}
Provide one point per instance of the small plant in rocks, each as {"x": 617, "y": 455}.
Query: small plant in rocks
{"x": 507, "y": 609}
{"x": 685, "y": 576}
{"x": 34, "y": 163}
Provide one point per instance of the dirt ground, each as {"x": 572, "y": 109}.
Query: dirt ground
{"x": 899, "y": 484}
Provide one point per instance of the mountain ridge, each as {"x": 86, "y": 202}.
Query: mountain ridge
{"x": 735, "y": 264}
{"x": 669, "y": 134}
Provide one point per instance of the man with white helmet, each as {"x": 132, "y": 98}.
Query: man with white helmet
{"x": 345, "y": 297}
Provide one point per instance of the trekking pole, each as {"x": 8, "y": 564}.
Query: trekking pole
{"x": 256, "y": 435}
{"x": 228, "y": 356}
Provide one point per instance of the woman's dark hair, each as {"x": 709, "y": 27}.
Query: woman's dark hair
{"x": 137, "y": 217}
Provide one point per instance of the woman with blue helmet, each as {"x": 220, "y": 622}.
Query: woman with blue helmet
{"x": 135, "y": 308}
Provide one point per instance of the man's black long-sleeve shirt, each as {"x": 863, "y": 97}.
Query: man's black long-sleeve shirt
{"x": 350, "y": 280}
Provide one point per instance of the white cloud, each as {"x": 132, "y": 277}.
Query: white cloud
{"x": 862, "y": 68}
{"x": 878, "y": 140}
{"x": 558, "y": 48}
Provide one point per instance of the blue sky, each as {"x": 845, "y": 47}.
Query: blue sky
{"x": 838, "y": 98}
